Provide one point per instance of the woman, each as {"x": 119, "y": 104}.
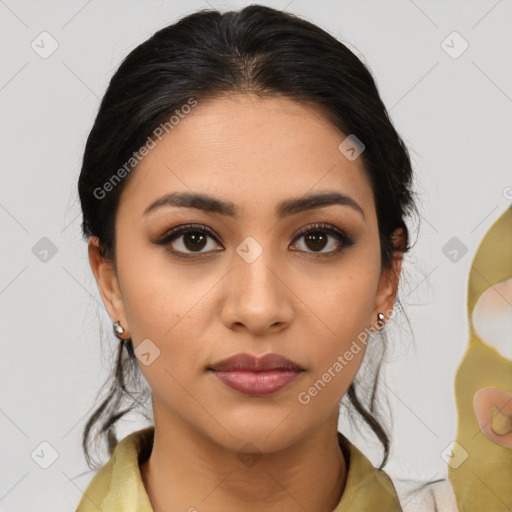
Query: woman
{"x": 244, "y": 195}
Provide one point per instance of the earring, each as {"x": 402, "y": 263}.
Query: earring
{"x": 118, "y": 329}
{"x": 380, "y": 320}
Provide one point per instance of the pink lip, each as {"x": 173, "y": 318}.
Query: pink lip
{"x": 252, "y": 363}
{"x": 257, "y": 383}
{"x": 257, "y": 376}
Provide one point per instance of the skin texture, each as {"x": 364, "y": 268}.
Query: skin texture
{"x": 254, "y": 152}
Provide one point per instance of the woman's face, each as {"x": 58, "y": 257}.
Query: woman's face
{"x": 252, "y": 283}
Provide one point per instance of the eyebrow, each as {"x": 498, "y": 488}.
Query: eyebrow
{"x": 283, "y": 209}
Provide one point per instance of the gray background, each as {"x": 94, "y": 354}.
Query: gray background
{"x": 453, "y": 113}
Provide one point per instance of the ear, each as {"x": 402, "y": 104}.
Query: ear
{"x": 106, "y": 277}
{"x": 388, "y": 284}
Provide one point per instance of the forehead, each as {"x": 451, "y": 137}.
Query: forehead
{"x": 248, "y": 150}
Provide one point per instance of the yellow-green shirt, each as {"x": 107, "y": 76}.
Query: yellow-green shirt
{"x": 118, "y": 486}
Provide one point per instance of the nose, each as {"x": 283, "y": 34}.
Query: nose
{"x": 258, "y": 296}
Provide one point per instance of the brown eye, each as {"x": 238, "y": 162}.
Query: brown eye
{"x": 316, "y": 241}
{"x": 319, "y": 240}
{"x": 194, "y": 241}
{"x": 322, "y": 236}
{"x": 189, "y": 240}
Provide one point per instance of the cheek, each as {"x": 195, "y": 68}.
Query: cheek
{"x": 165, "y": 306}
{"x": 159, "y": 294}
{"x": 348, "y": 300}
{"x": 345, "y": 298}
{"x": 166, "y": 318}
{"x": 344, "y": 303}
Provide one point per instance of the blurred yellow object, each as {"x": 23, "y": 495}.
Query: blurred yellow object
{"x": 483, "y": 383}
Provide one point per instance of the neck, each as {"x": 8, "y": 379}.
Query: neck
{"x": 187, "y": 471}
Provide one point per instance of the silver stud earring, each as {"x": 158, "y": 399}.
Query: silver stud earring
{"x": 380, "y": 320}
{"x": 118, "y": 329}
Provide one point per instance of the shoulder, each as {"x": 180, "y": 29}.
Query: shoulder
{"x": 63, "y": 495}
{"x": 416, "y": 495}
{"x": 73, "y": 491}
{"x": 118, "y": 484}
{"x": 369, "y": 488}
{"x": 366, "y": 487}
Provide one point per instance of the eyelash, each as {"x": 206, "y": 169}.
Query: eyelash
{"x": 329, "y": 229}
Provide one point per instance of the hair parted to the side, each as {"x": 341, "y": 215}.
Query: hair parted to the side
{"x": 207, "y": 54}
